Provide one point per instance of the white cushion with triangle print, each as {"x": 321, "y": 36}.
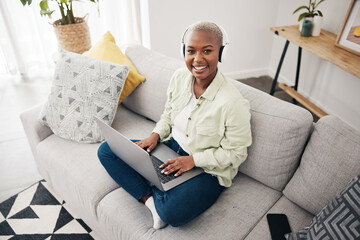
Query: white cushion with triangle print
{"x": 82, "y": 88}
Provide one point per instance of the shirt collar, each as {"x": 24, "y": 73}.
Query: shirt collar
{"x": 212, "y": 89}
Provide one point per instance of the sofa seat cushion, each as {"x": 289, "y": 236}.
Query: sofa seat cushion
{"x": 298, "y": 218}
{"x": 234, "y": 214}
{"x": 331, "y": 159}
{"x": 279, "y": 132}
{"x": 73, "y": 169}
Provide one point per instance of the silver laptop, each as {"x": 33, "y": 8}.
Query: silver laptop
{"x": 146, "y": 164}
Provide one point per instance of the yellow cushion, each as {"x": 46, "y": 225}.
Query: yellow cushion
{"x": 357, "y": 32}
{"x": 106, "y": 50}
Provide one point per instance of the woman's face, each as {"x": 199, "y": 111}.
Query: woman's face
{"x": 202, "y": 54}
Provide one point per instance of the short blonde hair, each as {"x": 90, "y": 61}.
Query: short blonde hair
{"x": 205, "y": 26}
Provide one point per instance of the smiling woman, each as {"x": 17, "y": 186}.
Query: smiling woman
{"x": 206, "y": 120}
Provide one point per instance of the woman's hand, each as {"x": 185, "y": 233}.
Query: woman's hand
{"x": 180, "y": 164}
{"x": 150, "y": 143}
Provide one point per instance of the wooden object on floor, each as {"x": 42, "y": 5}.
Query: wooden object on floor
{"x": 302, "y": 100}
{"x": 322, "y": 46}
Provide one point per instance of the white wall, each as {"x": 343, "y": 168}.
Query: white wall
{"x": 328, "y": 86}
{"x": 256, "y": 51}
{"x": 249, "y": 35}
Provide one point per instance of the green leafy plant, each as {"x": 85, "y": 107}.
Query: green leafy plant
{"x": 310, "y": 10}
{"x": 65, "y": 7}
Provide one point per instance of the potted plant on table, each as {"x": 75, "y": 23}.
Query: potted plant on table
{"x": 311, "y": 13}
{"x": 71, "y": 32}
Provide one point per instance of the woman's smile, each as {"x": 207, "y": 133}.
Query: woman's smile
{"x": 200, "y": 69}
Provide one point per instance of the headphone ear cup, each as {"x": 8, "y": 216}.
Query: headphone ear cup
{"x": 181, "y": 49}
{"x": 221, "y": 52}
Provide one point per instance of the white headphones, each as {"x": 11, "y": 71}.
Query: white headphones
{"x": 222, "y": 48}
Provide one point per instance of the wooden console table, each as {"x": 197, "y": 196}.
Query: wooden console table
{"x": 322, "y": 46}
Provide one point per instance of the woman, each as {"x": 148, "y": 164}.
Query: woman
{"x": 206, "y": 120}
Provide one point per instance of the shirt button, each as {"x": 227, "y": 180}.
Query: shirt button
{"x": 198, "y": 104}
{"x": 187, "y": 135}
{"x": 189, "y": 118}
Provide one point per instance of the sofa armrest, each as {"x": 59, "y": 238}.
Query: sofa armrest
{"x": 34, "y": 130}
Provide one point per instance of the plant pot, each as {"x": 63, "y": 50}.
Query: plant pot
{"x": 307, "y": 28}
{"x": 73, "y": 37}
{"x": 301, "y": 22}
{"x": 317, "y": 26}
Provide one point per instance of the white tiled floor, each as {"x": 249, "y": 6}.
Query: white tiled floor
{"x": 17, "y": 165}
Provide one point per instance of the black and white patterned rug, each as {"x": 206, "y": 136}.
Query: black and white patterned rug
{"x": 38, "y": 213}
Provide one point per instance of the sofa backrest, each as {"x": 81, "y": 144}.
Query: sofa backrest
{"x": 330, "y": 161}
{"x": 149, "y": 97}
{"x": 279, "y": 129}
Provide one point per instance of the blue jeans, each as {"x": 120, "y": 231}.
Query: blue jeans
{"x": 176, "y": 206}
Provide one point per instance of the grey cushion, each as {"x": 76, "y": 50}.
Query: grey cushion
{"x": 231, "y": 217}
{"x": 82, "y": 89}
{"x": 298, "y": 218}
{"x": 331, "y": 159}
{"x": 149, "y": 97}
{"x": 340, "y": 219}
{"x": 279, "y": 131}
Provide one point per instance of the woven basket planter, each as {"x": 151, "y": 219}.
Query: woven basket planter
{"x": 73, "y": 37}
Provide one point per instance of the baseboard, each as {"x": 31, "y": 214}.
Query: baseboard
{"x": 257, "y": 72}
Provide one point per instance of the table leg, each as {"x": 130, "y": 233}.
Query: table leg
{"x": 297, "y": 72}
{"x": 279, "y": 68}
{"x": 298, "y": 69}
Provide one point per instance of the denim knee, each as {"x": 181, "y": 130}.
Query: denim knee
{"x": 169, "y": 219}
{"x": 104, "y": 152}
{"x": 169, "y": 211}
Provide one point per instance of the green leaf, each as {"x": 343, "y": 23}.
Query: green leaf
{"x": 64, "y": 1}
{"x": 46, "y": 13}
{"x": 44, "y": 5}
{"x": 29, "y": 2}
{"x": 299, "y": 8}
{"x": 303, "y": 15}
{"x": 23, "y": 2}
{"x": 320, "y": 13}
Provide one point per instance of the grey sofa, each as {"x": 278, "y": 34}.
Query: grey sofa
{"x": 294, "y": 166}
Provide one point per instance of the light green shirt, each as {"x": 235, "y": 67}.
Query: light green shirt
{"x": 218, "y": 129}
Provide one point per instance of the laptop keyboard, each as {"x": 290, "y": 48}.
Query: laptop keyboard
{"x": 163, "y": 177}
